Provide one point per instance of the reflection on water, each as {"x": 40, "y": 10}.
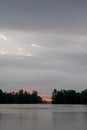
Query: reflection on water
{"x": 43, "y": 117}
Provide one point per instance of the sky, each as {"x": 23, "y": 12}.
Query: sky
{"x": 43, "y": 45}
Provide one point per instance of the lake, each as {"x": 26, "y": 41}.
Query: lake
{"x": 43, "y": 117}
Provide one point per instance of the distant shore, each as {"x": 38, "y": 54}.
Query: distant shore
{"x": 58, "y": 97}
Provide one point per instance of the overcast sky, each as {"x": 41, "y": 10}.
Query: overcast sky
{"x": 43, "y": 45}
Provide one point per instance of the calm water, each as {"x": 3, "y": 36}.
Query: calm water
{"x": 43, "y": 117}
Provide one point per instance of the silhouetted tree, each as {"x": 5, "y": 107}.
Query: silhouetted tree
{"x": 66, "y": 97}
{"x": 58, "y": 97}
{"x": 21, "y": 97}
{"x": 84, "y": 97}
{"x": 1, "y": 96}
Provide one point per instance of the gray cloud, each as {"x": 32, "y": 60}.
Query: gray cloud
{"x": 46, "y": 44}
{"x": 57, "y": 15}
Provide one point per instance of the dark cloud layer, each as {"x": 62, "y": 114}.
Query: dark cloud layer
{"x": 57, "y": 15}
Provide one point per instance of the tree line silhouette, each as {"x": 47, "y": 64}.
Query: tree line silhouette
{"x": 20, "y": 97}
{"x": 69, "y": 97}
{"x": 58, "y": 97}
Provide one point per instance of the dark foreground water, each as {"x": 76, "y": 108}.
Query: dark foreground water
{"x": 43, "y": 117}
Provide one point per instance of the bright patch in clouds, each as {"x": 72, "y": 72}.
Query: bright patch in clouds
{"x": 2, "y": 36}
{"x": 17, "y": 46}
{"x": 2, "y": 53}
{"x": 26, "y": 54}
{"x": 20, "y": 49}
{"x": 22, "y": 52}
{"x": 37, "y": 46}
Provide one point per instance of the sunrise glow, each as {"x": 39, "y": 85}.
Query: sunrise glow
{"x": 47, "y": 99}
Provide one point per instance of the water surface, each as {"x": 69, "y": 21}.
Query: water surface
{"x": 43, "y": 117}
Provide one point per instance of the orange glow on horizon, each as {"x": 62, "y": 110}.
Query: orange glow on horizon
{"x": 47, "y": 99}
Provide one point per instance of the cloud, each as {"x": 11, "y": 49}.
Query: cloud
{"x": 2, "y": 53}
{"x": 37, "y": 46}
{"x": 46, "y": 16}
{"x": 46, "y": 45}
{"x": 20, "y": 49}
{"x": 21, "y": 53}
{"x": 25, "y": 54}
{"x": 2, "y": 36}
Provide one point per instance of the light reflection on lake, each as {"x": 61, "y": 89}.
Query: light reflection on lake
{"x": 43, "y": 117}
